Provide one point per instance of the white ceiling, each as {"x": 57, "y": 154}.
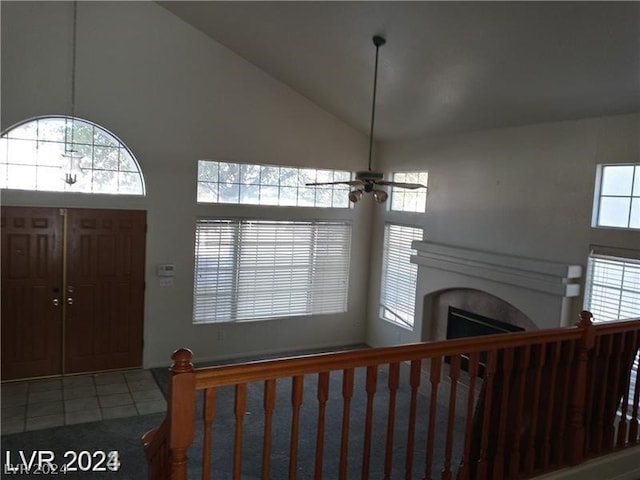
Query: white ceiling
{"x": 447, "y": 66}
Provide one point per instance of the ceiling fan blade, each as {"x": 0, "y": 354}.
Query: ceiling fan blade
{"x": 411, "y": 186}
{"x": 353, "y": 183}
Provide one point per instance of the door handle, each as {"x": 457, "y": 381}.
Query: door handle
{"x": 56, "y": 302}
{"x": 70, "y": 301}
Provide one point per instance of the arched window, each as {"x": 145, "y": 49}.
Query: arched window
{"x": 65, "y": 154}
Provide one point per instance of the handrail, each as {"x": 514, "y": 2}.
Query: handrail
{"x": 562, "y": 386}
{"x": 207, "y": 377}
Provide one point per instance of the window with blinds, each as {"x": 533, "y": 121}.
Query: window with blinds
{"x": 612, "y": 287}
{"x": 257, "y": 269}
{"x": 399, "y": 275}
{"x": 612, "y": 292}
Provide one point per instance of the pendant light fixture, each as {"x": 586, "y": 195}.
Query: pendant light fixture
{"x": 71, "y": 158}
{"x": 369, "y": 181}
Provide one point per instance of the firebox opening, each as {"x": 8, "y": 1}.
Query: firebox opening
{"x": 461, "y": 323}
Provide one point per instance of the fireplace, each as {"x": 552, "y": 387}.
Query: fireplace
{"x": 525, "y": 293}
{"x": 461, "y": 323}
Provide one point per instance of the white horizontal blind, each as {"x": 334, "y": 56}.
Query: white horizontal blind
{"x": 613, "y": 287}
{"x": 399, "y": 275}
{"x": 249, "y": 269}
{"x": 613, "y": 292}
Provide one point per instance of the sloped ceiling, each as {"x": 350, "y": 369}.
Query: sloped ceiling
{"x": 447, "y": 66}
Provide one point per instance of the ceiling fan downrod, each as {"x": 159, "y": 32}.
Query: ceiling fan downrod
{"x": 378, "y": 41}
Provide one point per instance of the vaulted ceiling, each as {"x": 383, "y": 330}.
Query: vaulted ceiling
{"x": 447, "y": 66}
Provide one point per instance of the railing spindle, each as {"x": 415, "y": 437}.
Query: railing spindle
{"x": 434, "y": 377}
{"x": 525, "y": 357}
{"x": 530, "y": 461}
{"x": 414, "y": 383}
{"x": 240, "y": 411}
{"x": 464, "y": 472}
{"x": 560, "y": 445}
{"x": 370, "y": 388}
{"x": 551, "y": 403}
{"x": 593, "y": 386}
{"x": 296, "y": 402}
{"x": 394, "y": 381}
{"x": 269, "y": 404}
{"x": 323, "y": 396}
{"x": 454, "y": 375}
{"x": 347, "y": 393}
{"x": 489, "y": 373}
{"x": 610, "y": 408}
{"x": 498, "y": 461}
{"x": 602, "y": 394}
{"x": 628, "y": 341}
{"x": 635, "y": 371}
{"x": 207, "y": 417}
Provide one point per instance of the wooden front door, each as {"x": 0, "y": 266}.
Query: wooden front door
{"x": 105, "y": 289}
{"x": 31, "y": 292}
{"x": 97, "y": 276}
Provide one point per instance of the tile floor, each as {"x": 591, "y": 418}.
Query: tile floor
{"x": 38, "y": 404}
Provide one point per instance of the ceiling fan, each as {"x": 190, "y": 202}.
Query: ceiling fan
{"x": 367, "y": 181}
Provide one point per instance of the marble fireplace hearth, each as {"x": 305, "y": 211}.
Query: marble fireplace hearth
{"x": 528, "y": 293}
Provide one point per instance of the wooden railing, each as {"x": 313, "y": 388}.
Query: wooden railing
{"x": 527, "y": 403}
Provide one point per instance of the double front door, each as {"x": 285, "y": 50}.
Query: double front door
{"x": 72, "y": 290}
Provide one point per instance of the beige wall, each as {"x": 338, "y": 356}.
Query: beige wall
{"x": 175, "y": 96}
{"x": 525, "y": 191}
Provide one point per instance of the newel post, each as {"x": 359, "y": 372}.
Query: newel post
{"x": 182, "y": 397}
{"x": 579, "y": 397}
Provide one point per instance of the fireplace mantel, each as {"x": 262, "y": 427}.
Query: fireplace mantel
{"x": 550, "y": 277}
{"x": 540, "y": 289}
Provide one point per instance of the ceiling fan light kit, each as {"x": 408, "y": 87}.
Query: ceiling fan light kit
{"x": 366, "y": 181}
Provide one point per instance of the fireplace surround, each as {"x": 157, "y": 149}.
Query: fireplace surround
{"x": 529, "y": 293}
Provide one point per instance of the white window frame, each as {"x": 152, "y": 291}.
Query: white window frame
{"x": 273, "y": 185}
{"x": 399, "y": 275}
{"x": 612, "y": 284}
{"x": 406, "y": 200}
{"x": 257, "y": 275}
{"x": 633, "y": 208}
{"x": 31, "y": 158}
{"x": 614, "y": 274}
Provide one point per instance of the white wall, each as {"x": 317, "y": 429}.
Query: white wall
{"x": 525, "y": 191}
{"x": 175, "y": 96}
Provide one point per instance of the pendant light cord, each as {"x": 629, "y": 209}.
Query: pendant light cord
{"x": 377, "y": 41}
{"x": 73, "y": 68}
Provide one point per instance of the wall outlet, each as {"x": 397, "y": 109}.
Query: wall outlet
{"x": 166, "y": 282}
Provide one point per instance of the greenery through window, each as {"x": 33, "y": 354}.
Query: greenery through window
{"x": 618, "y": 196}
{"x": 31, "y": 158}
{"x": 250, "y": 184}
{"x": 405, "y": 200}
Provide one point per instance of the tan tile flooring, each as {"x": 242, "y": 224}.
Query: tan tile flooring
{"x": 54, "y": 402}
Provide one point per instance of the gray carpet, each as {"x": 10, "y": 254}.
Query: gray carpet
{"x": 124, "y": 435}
